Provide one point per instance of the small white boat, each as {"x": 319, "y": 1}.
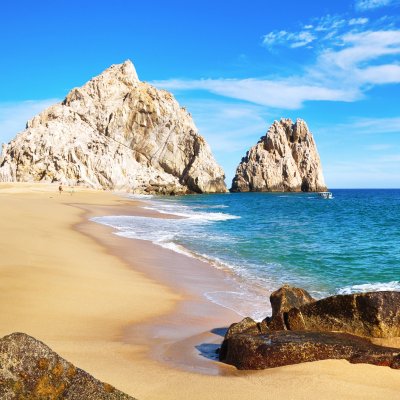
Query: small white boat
{"x": 325, "y": 195}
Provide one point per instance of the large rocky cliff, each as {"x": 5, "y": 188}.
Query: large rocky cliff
{"x": 115, "y": 132}
{"x": 285, "y": 159}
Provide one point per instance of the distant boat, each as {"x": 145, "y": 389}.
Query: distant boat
{"x": 325, "y": 195}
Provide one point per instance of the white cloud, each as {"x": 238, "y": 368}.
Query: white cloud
{"x": 348, "y": 57}
{"x": 380, "y": 74}
{"x": 302, "y": 39}
{"x": 376, "y": 125}
{"x": 13, "y": 116}
{"x": 358, "y": 21}
{"x": 289, "y": 94}
{"x": 364, "y": 5}
{"x": 364, "y": 126}
{"x": 340, "y": 73}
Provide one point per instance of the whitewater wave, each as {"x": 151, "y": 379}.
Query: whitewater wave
{"x": 186, "y": 212}
{"x": 139, "y": 196}
{"x": 370, "y": 287}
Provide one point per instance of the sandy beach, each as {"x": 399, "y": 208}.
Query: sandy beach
{"x": 130, "y": 313}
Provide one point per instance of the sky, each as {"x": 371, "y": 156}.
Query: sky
{"x": 235, "y": 65}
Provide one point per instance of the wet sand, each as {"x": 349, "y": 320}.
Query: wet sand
{"x": 116, "y": 307}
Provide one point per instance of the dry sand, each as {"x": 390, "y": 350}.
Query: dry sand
{"x": 104, "y": 302}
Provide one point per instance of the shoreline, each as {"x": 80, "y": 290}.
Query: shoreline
{"x": 74, "y": 294}
{"x": 187, "y": 336}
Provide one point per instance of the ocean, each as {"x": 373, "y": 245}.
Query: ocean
{"x": 347, "y": 244}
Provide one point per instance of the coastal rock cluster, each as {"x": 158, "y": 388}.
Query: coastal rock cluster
{"x": 31, "y": 370}
{"x": 115, "y": 132}
{"x": 284, "y": 160}
{"x": 303, "y": 329}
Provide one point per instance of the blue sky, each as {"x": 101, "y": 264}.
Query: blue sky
{"x": 237, "y": 66}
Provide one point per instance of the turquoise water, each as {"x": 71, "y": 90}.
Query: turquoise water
{"x": 347, "y": 244}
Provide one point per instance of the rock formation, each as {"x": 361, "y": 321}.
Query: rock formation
{"x": 282, "y": 301}
{"x": 284, "y": 160}
{"x": 304, "y": 329}
{"x": 374, "y": 314}
{"x": 31, "y": 370}
{"x": 276, "y": 349}
{"x": 115, "y": 132}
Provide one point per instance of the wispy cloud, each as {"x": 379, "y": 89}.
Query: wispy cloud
{"x": 294, "y": 40}
{"x": 376, "y": 125}
{"x": 289, "y": 94}
{"x": 13, "y": 116}
{"x": 364, "y": 5}
{"x": 348, "y": 57}
{"x": 318, "y": 32}
{"x": 365, "y": 126}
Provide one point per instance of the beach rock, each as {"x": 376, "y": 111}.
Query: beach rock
{"x": 276, "y": 349}
{"x": 373, "y": 314}
{"x": 285, "y": 159}
{"x": 246, "y": 326}
{"x": 31, "y": 370}
{"x": 288, "y": 297}
{"x": 118, "y": 133}
{"x": 283, "y": 300}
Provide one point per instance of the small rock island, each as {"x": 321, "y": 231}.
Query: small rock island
{"x": 284, "y": 160}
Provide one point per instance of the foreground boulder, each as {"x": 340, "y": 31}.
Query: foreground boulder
{"x": 282, "y": 301}
{"x": 303, "y": 329}
{"x": 115, "y": 132}
{"x": 276, "y": 349}
{"x": 31, "y": 370}
{"x": 284, "y": 160}
{"x": 246, "y": 326}
{"x": 374, "y": 314}
{"x": 288, "y": 297}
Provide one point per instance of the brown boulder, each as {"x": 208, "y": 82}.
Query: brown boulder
{"x": 31, "y": 370}
{"x": 246, "y": 326}
{"x": 374, "y": 314}
{"x": 276, "y": 349}
{"x": 288, "y": 297}
{"x": 282, "y": 300}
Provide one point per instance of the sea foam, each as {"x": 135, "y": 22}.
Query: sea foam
{"x": 371, "y": 287}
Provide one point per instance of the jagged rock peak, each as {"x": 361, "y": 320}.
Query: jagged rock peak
{"x": 285, "y": 159}
{"x": 115, "y": 132}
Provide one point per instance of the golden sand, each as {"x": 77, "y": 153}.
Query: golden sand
{"x": 88, "y": 295}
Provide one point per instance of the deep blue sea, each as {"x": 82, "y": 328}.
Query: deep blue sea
{"x": 346, "y": 244}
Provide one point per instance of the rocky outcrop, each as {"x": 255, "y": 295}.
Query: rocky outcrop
{"x": 276, "y": 349}
{"x": 284, "y": 160}
{"x": 374, "y": 314}
{"x": 31, "y": 370}
{"x": 282, "y": 301}
{"x": 115, "y": 132}
{"x": 304, "y": 329}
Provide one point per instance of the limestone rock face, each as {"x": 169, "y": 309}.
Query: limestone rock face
{"x": 285, "y": 159}
{"x": 31, "y": 370}
{"x": 115, "y": 132}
